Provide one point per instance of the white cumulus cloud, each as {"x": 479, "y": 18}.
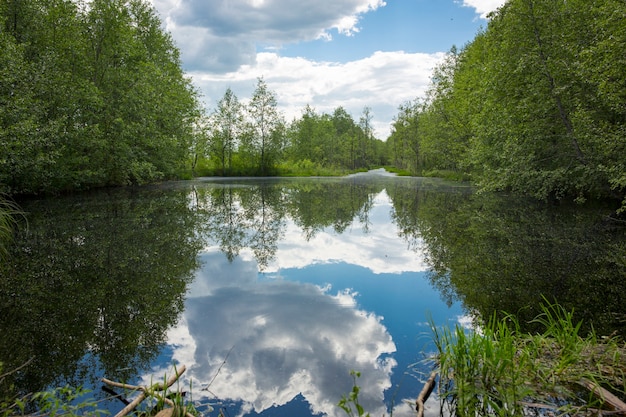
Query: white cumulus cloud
{"x": 381, "y": 81}
{"x": 484, "y": 7}
{"x": 229, "y": 43}
{"x": 218, "y": 35}
{"x": 220, "y": 40}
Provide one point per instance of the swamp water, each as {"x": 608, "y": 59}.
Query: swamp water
{"x": 271, "y": 291}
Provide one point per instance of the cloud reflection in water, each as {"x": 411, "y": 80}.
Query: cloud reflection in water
{"x": 296, "y": 329}
{"x": 379, "y": 249}
{"x": 287, "y": 339}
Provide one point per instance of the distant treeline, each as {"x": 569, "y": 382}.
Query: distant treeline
{"x": 535, "y": 104}
{"x": 93, "y": 94}
{"x": 254, "y": 139}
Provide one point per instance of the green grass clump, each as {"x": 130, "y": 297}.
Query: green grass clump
{"x": 10, "y": 214}
{"x": 501, "y": 371}
{"x": 306, "y": 168}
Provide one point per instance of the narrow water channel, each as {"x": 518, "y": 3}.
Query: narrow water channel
{"x": 271, "y": 291}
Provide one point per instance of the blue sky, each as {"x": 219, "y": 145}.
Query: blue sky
{"x": 401, "y": 25}
{"x": 324, "y": 53}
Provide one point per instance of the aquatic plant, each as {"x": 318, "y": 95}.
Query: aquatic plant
{"x": 67, "y": 401}
{"x": 501, "y": 371}
{"x": 350, "y": 403}
{"x": 160, "y": 400}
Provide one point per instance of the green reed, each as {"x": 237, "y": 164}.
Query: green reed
{"x": 10, "y": 214}
{"x": 501, "y": 371}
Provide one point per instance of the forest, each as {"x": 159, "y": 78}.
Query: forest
{"x": 535, "y": 104}
{"x": 93, "y": 94}
{"x": 254, "y": 139}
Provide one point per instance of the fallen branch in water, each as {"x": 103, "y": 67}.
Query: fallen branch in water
{"x": 425, "y": 393}
{"x": 146, "y": 391}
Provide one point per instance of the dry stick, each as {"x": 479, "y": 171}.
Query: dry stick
{"x": 130, "y": 407}
{"x": 425, "y": 393}
{"x": 220, "y": 368}
{"x": 121, "y": 385}
{"x": 607, "y": 396}
{"x": 144, "y": 390}
{"x": 25, "y": 364}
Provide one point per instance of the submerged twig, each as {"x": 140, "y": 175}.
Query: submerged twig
{"x": 219, "y": 369}
{"x": 122, "y": 385}
{"x": 425, "y": 393}
{"x": 145, "y": 391}
{"x": 18, "y": 368}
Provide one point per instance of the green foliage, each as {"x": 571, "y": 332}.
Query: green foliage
{"x": 307, "y": 168}
{"x": 447, "y": 175}
{"x": 226, "y": 125}
{"x": 160, "y": 396}
{"x": 397, "y": 171}
{"x": 254, "y": 140}
{"x": 350, "y": 403}
{"x": 69, "y": 401}
{"x": 66, "y": 401}
{"x": 500, "y": 371}
{"x": 9, "y": 218}
{"x": 534, "y": 104}
{"x": 265, "y": 130}
{"x": 63, "y": 401}
{"x": 89, "y": 96}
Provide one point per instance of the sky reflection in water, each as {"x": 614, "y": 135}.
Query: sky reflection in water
{"x": 283, "y": 341}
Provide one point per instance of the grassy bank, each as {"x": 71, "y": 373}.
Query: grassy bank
{"x": 500, "y": 371}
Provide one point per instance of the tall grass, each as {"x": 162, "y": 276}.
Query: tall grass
{"x": 10, "y": 214}
{"x": 481, "y": 374}
{"x": 501, "y": 371}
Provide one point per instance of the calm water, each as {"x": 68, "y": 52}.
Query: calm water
{"x": 272, "y": 291}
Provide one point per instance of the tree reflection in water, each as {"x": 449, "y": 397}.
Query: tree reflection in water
{"x": 498, "y": 253}
{"x": 96, "y": 281}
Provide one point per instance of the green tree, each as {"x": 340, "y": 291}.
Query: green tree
{"x": 546, "y": 129}
{"x": 302, "y": 135}
{"x": 534, "y": 104}
{"x": 226, "y": 124}
{"x": 403, "y": 145}
{"x": 266, "y": 127}
{"x": 312, "y": 138}
{"x": 91, "y": 94}
{"x": 365, "y": 137}
{"x": 40, "y": 92}
{"x": 345, "y": 134}
{"x": 147, "y": 121}
{"x": 444, "y": 120}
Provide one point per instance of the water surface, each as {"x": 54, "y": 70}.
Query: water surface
{"x": 271, "y": 291}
